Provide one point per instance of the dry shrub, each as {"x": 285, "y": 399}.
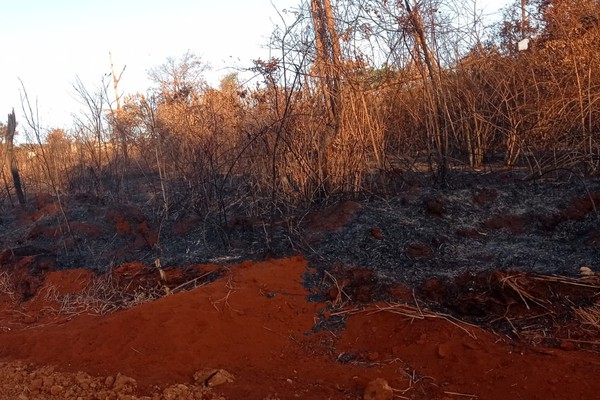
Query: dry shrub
{"x": 265, "y": 150}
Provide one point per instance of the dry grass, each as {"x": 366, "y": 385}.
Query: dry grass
{"x": 341, "y": 297}
{"x": 7, "y": 285}
{"x": 102, "y": 296}
{"x": 589, "y": 317}
{"x": 592, "y": 282}
{"x": 408, "y": 311}
{"x": 518, "y": 283}
{"x": 535, "y": 328}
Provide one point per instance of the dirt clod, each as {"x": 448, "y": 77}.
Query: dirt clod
{"x": 378, "y": 389}
{"x": 418, "y": 250}
{"x": 213, "y": 377}
{"x": 124, "y": 383}
{"x": 443, "y": 350}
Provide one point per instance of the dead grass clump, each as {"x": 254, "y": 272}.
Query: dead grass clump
{"x": 589, "y": 316}
{"x": 102, "y": 296}
{"x": 7, "y": 285}
{"x": 518, "y": 283}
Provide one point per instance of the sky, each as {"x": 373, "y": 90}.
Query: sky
{"x": 48, "y": 45}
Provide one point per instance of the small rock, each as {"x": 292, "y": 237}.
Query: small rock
{"x": 220, "y": 378}
{"x": 567, "y": 345}
{"x": 213, "y": 377}
{"x": 435, "y": 207}
{"x": 124, "y": 383}
{"x": 378, "y": 389}
{"x": 104, "y": 395}
{"x": 376, "y": 233}
{"x": 56, "y": 390}
{"x": 109, "y": 381}
{"x": 176, "y": 392}
{"x": 418, "y": 250}
{"x": 82, "y": 377}
{"x": 443, "y": 350}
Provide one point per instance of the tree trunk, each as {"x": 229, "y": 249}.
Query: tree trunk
{"x": 328, "y": 67}
{"x": 11, "y": 159}
{"x": 122, "y": 137}
{"x": 439, "y": 139}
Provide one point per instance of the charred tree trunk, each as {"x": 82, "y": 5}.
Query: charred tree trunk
{"x": 11, "y": 159}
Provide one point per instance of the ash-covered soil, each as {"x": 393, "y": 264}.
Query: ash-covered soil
{"x": 479, "y": 221}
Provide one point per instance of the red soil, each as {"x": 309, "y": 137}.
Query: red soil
{"x": 256, "y": 322}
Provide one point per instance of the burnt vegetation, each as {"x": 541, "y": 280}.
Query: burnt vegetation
{"x": 358, "y": 97}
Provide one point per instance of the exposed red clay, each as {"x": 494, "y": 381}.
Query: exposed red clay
{"x": 256, "y": 322}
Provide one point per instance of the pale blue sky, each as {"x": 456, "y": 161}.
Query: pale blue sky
{"x": 48, "y": 44}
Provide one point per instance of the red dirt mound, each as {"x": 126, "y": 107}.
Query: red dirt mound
{"x": 256, "y": 324}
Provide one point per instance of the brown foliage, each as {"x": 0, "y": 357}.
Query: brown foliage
{"x": 261, "y": 151}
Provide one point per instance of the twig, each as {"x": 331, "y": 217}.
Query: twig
{"x": 473, "y": 396}
{"x": 338, "y": 302}
{"x": 566, "y": 280}
{"x": 191, "y": 281}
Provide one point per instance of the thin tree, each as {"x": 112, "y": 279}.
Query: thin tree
{"x": 117, "y": 115}
{"x": 10, "y": 154}
{"x": 436, "y": 107}
{"x": 328, "y": 67}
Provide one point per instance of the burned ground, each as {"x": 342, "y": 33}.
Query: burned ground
{"x": 486, "y": 288}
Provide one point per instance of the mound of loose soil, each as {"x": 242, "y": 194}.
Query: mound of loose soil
{"x": 256, "y": 325}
